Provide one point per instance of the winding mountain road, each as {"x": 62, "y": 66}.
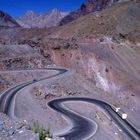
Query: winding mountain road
{"x": 123, "y": 124}
{"x": 81, "y": 127}
{"x": 6, "y": 98}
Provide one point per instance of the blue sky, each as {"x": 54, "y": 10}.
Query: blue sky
{"x": 19, "y": 7}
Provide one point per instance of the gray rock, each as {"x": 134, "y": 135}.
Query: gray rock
{"x": 1, "y": 126}
{"x": 41, "y": 20}
{"x": 15, "y": 130}
{"x": 26, "y": 135}
{"x": 11, "y": 131}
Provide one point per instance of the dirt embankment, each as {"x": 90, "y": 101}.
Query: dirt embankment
{"x": 111, "y": 65}
{"x": 20, "y": 57}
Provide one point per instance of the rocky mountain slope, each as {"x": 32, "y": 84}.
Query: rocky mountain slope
{"x": 86, "y": 8}
{"x": 122, "y": 19}
{"x": 20, "y": 57}
{"x": 70, "y": 45}
{"x": 7, "y": 21}
{"x": 41, "y": 20}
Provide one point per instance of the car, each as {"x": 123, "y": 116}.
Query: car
{"x": 34, "y": 80}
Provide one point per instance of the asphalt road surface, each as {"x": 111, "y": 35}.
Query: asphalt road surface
{"x": 80, "y": 128}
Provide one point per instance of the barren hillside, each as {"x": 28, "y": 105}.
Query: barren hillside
{"x": 122, "y": 19}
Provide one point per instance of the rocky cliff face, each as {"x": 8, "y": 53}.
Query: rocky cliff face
{"x": 7, "y": 21}
{"x": 41, "y": 20}
{"x": 87, "y": 7}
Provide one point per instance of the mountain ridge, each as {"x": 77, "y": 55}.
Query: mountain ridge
{"x": 87, "y": 7}
{"x": 41, "y": 20}
{"x": 7, "y": 21}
